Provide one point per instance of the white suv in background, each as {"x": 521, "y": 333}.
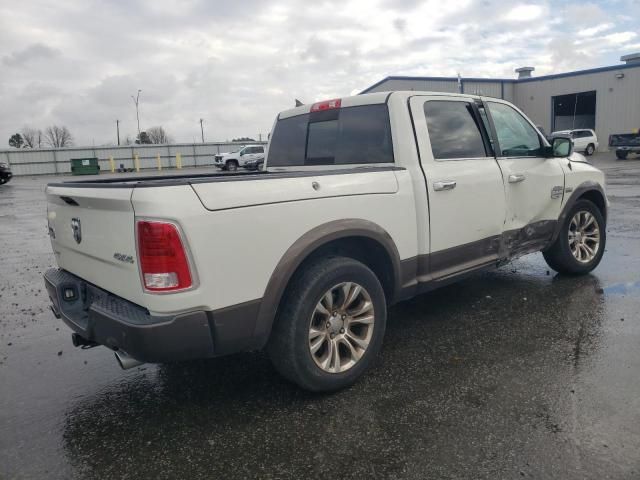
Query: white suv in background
{"x": 584, "y": 140}
{"x": 231, "y": 161}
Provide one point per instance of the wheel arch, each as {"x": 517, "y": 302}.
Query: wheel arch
{"x": 360, "y": 239}
{"x": 589, "y": 190}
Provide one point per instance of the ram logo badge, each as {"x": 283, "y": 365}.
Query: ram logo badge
{"x": 556, "y": 192}
{"x": 77, "y": 230}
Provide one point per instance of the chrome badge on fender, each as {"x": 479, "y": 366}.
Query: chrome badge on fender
{"x": 77, "y": 230}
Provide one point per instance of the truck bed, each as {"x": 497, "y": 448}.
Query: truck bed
{"x": 155, "y": 180}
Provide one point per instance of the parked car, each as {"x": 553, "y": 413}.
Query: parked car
{"x": 5, "y": 173}
{"x": 625, "y": 143}
{"x": 584, "y": 140}
{"x": 366, "y": 201}
{"x": 257, "y": 164}
{"x": 232, "y": 160}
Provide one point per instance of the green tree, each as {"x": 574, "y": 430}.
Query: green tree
{"x": 16, "y": 140}
{"x": 143, "y": 139}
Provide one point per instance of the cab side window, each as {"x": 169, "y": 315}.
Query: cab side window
{"x": 453, "y": 130}
{"x": 516, "y": 136}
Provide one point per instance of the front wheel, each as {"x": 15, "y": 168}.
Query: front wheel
{"x": 621, "y": 154}
{"x": 232, "y": 165}
{"x": 590, "y": 149}
{"x": 330, "y": 326}
{"x": 581, "y": 241}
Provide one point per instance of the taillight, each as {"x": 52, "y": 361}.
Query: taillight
{"x": 163, "y": 260}
{"x": 326, "y": 105}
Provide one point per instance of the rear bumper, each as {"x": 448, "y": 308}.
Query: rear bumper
{"x": 118, "y": 324}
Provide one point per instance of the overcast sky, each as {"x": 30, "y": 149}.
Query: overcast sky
{"x": 236, "y": 63}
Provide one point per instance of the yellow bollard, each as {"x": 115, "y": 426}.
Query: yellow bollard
{"x": 136, "y": 161}
{"x": 113, "y": 165}
{"x": 178, "y": 161}
{"x": 159, "y": 162}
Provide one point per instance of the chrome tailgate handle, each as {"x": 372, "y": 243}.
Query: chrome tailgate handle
{"x": 516, "y": 178}
{"x": 444, "y": 185}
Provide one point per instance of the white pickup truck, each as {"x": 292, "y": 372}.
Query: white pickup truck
{"x": 232, "y": 160}
{"x": 365, "y": 201}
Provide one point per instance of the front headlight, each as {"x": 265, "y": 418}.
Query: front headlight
{"x": 4, "y": 165}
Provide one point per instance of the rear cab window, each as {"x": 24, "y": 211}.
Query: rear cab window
{"x": 341, "y": 136}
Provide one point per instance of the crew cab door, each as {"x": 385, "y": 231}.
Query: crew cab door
{"x": 464, "y": 184}
{"x": 534, "y": 185}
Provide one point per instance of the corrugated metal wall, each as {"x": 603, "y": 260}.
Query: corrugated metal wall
{"x": 617, "y": 100}
{"x": 487, "y": 89}
{"x": 57, "y": 161}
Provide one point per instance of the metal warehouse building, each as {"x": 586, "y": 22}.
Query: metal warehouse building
{"x": 606, "y": 99}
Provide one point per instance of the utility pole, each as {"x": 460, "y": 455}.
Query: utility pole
{"x": 136, "y": 100}
{"x": 202, "y": 129}
{"x": 118, "y": 131}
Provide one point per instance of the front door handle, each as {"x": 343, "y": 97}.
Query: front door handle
{"x": 516, "y": 178}
{"x": 444, "y": 185}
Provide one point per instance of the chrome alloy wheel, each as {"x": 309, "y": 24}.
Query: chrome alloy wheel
{"x": 341, "y": 327}
{"x": 584, "y": 236}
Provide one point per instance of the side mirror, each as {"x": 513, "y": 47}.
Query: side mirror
{"x": 561, "y": 147}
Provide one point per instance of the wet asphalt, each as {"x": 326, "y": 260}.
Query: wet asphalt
{"x": 516, "y": 373}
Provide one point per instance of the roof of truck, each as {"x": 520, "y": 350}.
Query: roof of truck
{"x": 368, "y": 99}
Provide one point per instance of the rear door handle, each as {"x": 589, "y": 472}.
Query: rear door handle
{"x": 444, "y": 185}
{"x": 516, "y": 178}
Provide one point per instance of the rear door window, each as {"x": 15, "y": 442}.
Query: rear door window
{"x": 345, "y": 136}
{"x": 453, "y": 130}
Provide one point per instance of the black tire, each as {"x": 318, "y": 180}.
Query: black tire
{"x": 231, "y": 166}
{"x": 559, "y": 255}
{"x": 621, "y": 154}
{"x": 288, "y": 345}
{"x": 590, "y": 149}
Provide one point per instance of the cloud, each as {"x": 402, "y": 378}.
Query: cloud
{"x": 591, "y": 31}
{"x": 237, "y": 64}
{"x": 33, "y": 52}
{"x": 524, "y": 13}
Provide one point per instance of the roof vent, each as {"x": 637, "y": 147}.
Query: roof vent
{"x": 524, "y": 72}
{"x": 631, "y": 58}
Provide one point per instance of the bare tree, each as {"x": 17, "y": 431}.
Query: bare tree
{"x": 58, "y": 137}
{"x": 158, "y": 135}
{"x": 32, "y": 137}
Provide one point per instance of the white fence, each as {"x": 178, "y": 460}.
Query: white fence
{"x": 58, "y": 161}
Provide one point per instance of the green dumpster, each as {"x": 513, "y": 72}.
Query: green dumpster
{"x": 85, "y": 166}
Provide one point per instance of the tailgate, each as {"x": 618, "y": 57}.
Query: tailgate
{"x": 92, "y": 235}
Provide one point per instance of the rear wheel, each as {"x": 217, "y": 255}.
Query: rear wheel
{"x": 330, "y": 326}
{"x": 581, "y": 242}
{"x": 590, "y": 149}
{"x": 621, "y": 154}
{"x": 232, "y": 165}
